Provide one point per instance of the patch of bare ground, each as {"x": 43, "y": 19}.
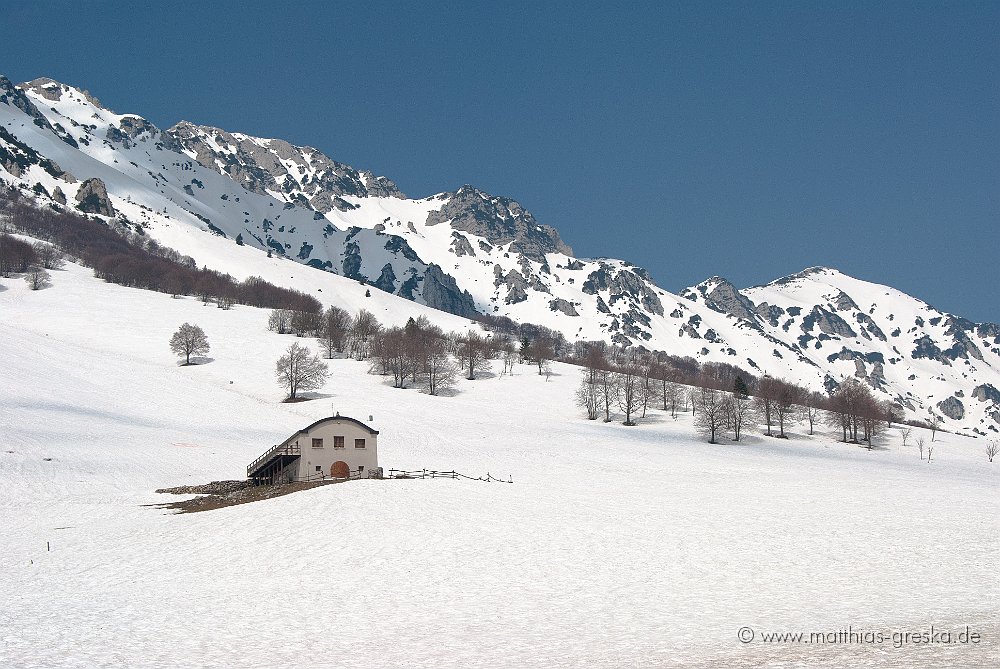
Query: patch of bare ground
{"x": 220, "y": 494}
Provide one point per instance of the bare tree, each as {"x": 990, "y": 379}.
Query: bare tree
{"x": 37, "y": 278}
{"x": 765, "y": 398}
{"x": 905, "y": 434}
{"x": 189, "y": 340}
{"x": 333, "y": 330}
{"x": 606, "y": 390}
{"x": 858, "y": 413}
{"x": 540, "y": 351}
{"x": 784, "y": 404}
{"x": 364, "y": 327}
{"x": 628, "y": 389}
{"x": 742, "y": 414}
{"x": 935, "y": 424}
{"x": 300, "y": 370}
{"x": 280, "y": 321}
{"x": 711, "y": 413}
{"x": 441, "y": 370}
{"x": 389, "y": 352}
{"x": 992, "y": 448}
{"x": 813, "y": 403}
{"x": 473, "y": 350}
{"x": 49, "y": 257}
{"x": 920, "y": 445}
{"x": 930, "y": 451}
{"x": 588, "y": 394}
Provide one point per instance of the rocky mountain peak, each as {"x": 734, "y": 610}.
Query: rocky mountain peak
{"x": 53, "y": 90}
{"x": 720, "y": 295}
{"x": 301, "y": 175}
{"x": 500, "y": 221}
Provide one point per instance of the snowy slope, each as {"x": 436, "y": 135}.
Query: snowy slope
{"x": 199, "y": 189}
{"x": 614, "y": 547}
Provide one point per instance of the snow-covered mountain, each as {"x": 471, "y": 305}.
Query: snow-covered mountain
{"x": 203, "y": 190}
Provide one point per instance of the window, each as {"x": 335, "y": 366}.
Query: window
{"x": 359, "y": 443}
{"x": 319, "y": 468}
{"x": 338, "y": 442}
{"x": 317, "y": 443}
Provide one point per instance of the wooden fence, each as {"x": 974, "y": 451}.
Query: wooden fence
{"x": 435, "y": 474}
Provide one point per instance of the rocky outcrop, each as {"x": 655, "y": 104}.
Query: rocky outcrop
{"x": 722, "y": 296}
{"x": 387, "y": 280}
{"x": 843, "y": 302}
{"x": 829, "y": 323}
{"x": 460, "y": 245}
{"x": 925, "y": 347}
{"x": 952, "y": 408}
{"x": 92, "y": 198}
{"x": 441, "y": 292}
{"x": 869, "y": 326}
{"x": 563, "y": 306}
{"x": 769, "y": 313}
{"x": 963, "y": 346}
{"x": 986, "y": 393}
{"x": 500, "y": 221}
{"x": 299, "y": 174}
{"x": 12, "y": 95}
{"x": 352, "y": 262}
{"x": 16, "y": 157}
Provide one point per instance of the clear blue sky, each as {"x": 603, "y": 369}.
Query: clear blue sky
{"x": 748, "y": 140}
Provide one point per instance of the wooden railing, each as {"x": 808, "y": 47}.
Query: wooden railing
{"x": 275, "y": 451}
{"x": 434, "y": 474}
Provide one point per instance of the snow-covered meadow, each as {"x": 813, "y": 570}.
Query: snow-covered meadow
{"x": 615, "y": 546}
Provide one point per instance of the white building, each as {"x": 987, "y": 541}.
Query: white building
{"x": 337, "y": 447}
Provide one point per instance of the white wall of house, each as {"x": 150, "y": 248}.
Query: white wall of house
{"x": 324, "y": 452}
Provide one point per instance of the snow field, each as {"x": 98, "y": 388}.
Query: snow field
{"x": 615, "y": 546}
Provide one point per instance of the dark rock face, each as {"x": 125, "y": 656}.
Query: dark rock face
{"x": 869, "y": 326}
{"x": 686, "y": 329}
{"x": 58, "y": 195}
{"x": 387, "y": 280}
{"x": 92, "y": 198}
{"x": 986, "y": 393}
{"x": 460, "y": 245}
{"x": 829, "y": 323}
{"x": 952, "y": 408}
{"x": 769, "y": 313}
{"x": 500, "y": 221}
{"x": 623, "y": 284}
{"x": 16, "y": 157}
{"x": 963, "y": 346}
{"x": 352, "y": 262}
{"x": 724, "y": 298}
{"x": 397, "y": 244}
{"x": 925, "y": 347}
{"x": 441, "y": 292}
{"x": 12, "y": 95}
{"x": 843, "y": 302}
{"x": 563, "y": 306}
{"x": 260, "y": 166}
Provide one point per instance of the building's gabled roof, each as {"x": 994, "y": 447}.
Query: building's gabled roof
{"x": 338, "y": 417}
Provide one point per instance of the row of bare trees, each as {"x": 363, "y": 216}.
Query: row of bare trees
{"x": 128, "y": 257}
{"x": 723, "y": 399}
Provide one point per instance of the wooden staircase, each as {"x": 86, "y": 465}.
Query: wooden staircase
{"x": 267, "y": 466}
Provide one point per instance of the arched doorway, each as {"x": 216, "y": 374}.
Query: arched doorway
{"x": 340, "y": 470}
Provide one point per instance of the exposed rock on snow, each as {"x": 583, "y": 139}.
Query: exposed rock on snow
{"x": 92, "y": 198}
{"x": 500, "y": 221}
{"x": 952, "y": 408}
{"x": 441, "y": 292}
